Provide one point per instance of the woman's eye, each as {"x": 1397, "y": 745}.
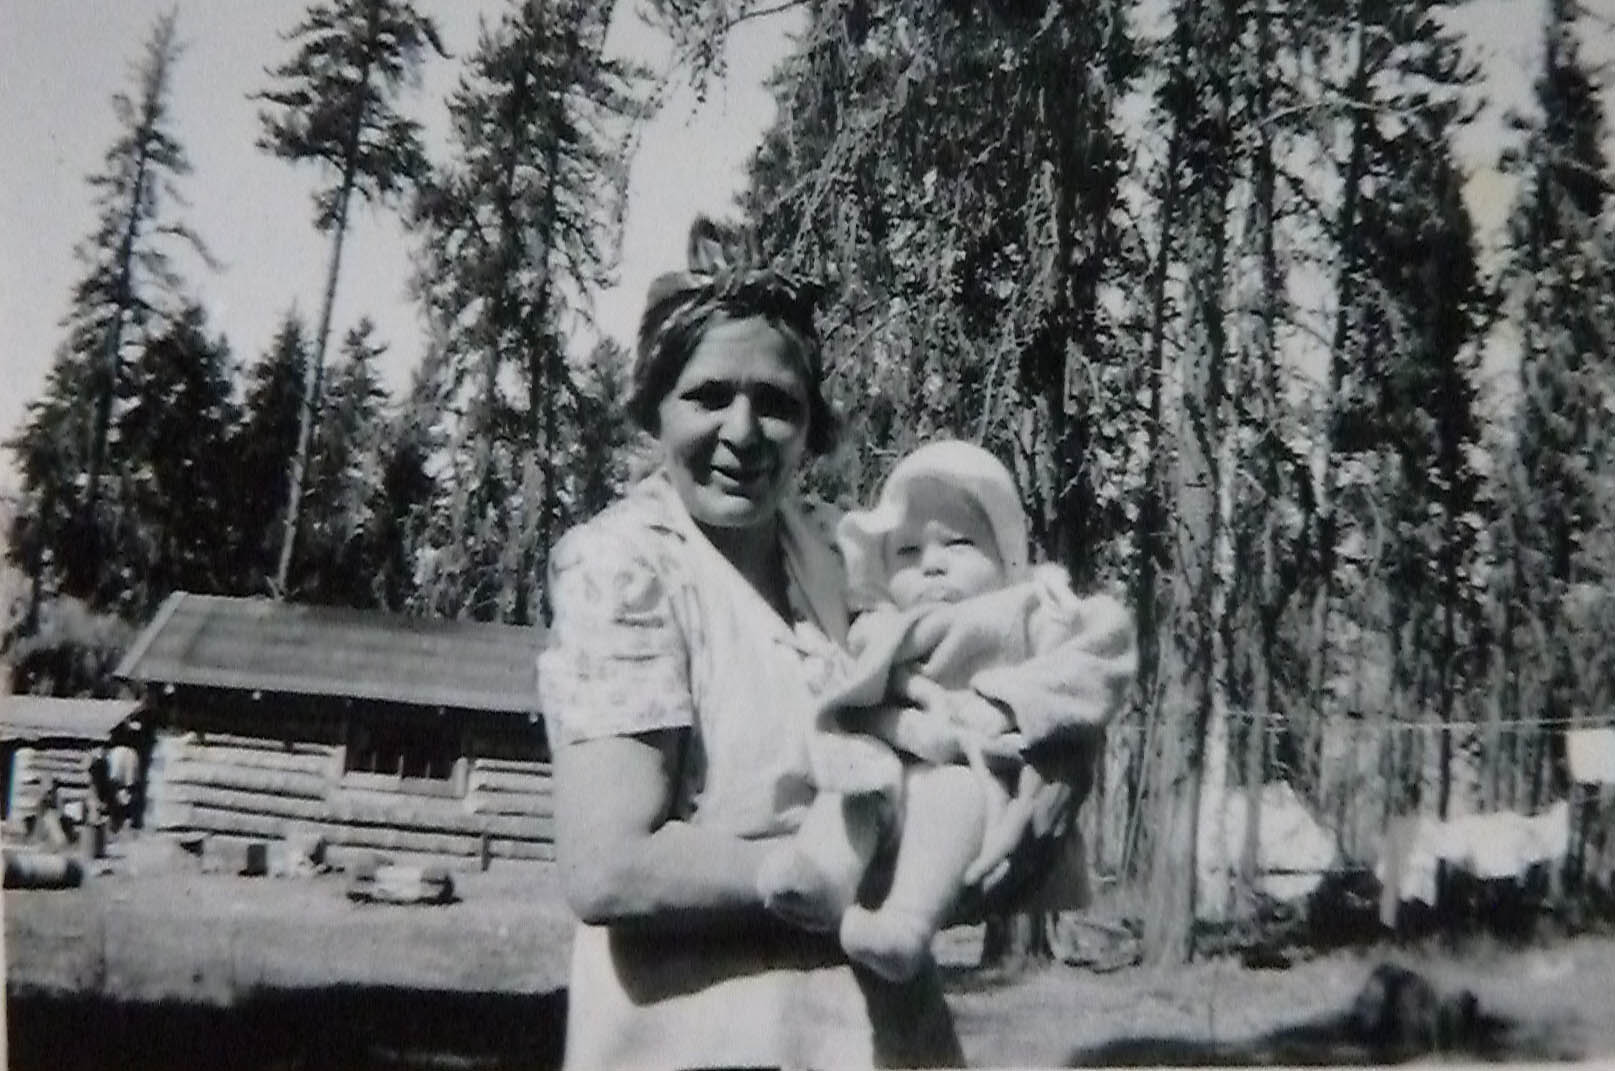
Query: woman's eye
{"x": 961, "y": 541}
{"x": 778, "y": 405}
{"x": 711, "y": 396}
{"x": 907, "y": 550}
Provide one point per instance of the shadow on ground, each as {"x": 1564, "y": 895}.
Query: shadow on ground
{"x": 1398, "y": 1016}
{"x": 360, "y": 1028}
{"x": 1319, "y": 1044}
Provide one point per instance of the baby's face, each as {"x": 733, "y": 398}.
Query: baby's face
{"x": 943, "y": 550}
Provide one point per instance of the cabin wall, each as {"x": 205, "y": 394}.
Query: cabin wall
{"x": 276, "y": 774}
{"x": 66, "y": 763}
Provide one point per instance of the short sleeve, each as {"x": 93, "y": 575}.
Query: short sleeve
{"x": 616, "y": 663}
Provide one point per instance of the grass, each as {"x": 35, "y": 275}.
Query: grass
{"x": 170, "y": 934}
{"x": 292, "y": 971}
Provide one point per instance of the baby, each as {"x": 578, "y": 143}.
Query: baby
{"x": 963, "y": 650}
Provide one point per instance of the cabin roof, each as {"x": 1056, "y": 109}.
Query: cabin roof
{"x": 262, "y": 645}
{"x": 38, "y": 717}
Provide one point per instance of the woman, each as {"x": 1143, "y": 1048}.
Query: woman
{"x": 694, "y": 621}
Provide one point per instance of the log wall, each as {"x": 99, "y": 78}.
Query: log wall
{"x": 67, "y": 764}
{"x": 241, "y": 785}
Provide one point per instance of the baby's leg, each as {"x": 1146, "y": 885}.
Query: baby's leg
{"x": 812, "y": 878}
{"x": 944, "y": 815}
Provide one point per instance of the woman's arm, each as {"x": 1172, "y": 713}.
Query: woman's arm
{"x": 624, "y": 862}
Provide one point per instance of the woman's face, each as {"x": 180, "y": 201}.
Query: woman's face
{"x": 734, "y": 427}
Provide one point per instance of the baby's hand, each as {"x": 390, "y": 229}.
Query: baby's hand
{"x": 921, "y": 691}
{"x": 1006, "y": 750}
{"x": 929, "y": 629}
{"x": 934, "y": 740}
{"x": 970, "y": 710}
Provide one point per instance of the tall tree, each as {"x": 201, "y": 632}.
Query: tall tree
{"x": 174, "y": 521}
{"x": 965, "y": 188}
{"x": 1261, "y": 436}
{"x": 50, "y": 451}
{"x": 1200, "y": 105}
{"x": 263, "y": 444}
{"x": 343, "y": 555}
{"x": 518, "y": 226}
{"x": 966, "y": 191}
{"x": 129, "y": 280}
{"x": 334, "y": 103}
{"x": 1420, "y": 420}
{"x": 1557, "y": 281}
{"x": 403, "y": 510}
{"x": 605, "y": 451}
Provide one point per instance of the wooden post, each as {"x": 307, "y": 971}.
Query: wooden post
{"x": 1392, "y": 850}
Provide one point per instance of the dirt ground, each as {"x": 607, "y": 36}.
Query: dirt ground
{"x": 178, "y": 964}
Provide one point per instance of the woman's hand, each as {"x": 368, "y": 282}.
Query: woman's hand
{"x": 960, "y": 707}
{"x": 1035, "y": 810}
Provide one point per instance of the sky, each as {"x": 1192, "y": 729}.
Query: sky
{"x": 62, "y": 60}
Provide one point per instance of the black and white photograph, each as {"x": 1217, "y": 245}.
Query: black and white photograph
{"x": 815, "y": 534}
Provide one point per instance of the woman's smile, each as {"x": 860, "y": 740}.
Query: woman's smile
{"x": 740, "y": 477}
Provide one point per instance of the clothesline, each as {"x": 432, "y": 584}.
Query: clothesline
{"x": 1388, "y": 724}
{"x": 1275, "y": 723}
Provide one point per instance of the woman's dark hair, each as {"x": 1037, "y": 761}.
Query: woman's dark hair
{"x": 722, "y": 285}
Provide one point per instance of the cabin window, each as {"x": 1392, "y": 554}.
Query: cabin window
{"x": 397, "y": 749}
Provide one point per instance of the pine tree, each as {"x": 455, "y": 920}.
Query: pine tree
{"x": 342, "y": 554}
{"x": 51, "y": 457}
{"x": 173, "y": 524}
{"x": 126, "y": 291}
{"x": 334, "y": 103}
{"x": 1420, "y": 359}
{"x": 518, "y": 226}
{"x": 1557, "y": 282}
{"x": 965, "y": 190}
{"x": 403, "y": 508}
{"x": 606, "y": 443}
{"x": 263, "y": 445}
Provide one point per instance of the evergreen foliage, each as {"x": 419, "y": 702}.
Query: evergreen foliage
{"x": 518, "y": 227}
{"x": 1553, "y": 560}
{"x": 130, "y": 284}
{"x": 334, "y": 103}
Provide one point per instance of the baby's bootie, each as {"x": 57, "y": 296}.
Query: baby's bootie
{"x": 892, "y": 942}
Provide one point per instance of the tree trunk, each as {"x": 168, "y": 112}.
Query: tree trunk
{"x": 1191, "y": 681}
{"x": 307, "y": 412}
{"x": 1149, "y": 535}
{"x": 1269, "y": 397}
{"x": 83, "y": 579}
{"x": 1170, "y": 899}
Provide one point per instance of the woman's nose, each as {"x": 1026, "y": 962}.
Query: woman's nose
{"x": 739, "y": 421}
{"x": 932, "y": 559}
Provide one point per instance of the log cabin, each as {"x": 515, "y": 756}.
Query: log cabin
{"x": 44, "y": 737}
{"x": 375, "y": 731}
